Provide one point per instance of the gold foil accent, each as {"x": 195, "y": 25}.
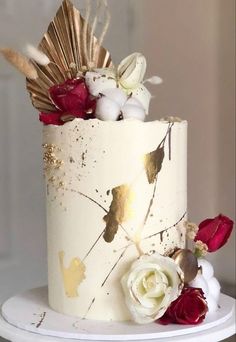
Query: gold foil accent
{"x": 120, "y": 210}
{"x": 188, "y": 263}
{"x": 63, "y": 45}
{"x": 153, "y": 163}
{"x": 72, "y": 276}
{"x": 51, "y": 162}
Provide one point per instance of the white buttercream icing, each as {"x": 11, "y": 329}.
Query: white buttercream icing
{"x": 84, "y": 161}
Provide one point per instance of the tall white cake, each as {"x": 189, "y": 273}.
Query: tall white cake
{"x": 115, "y": 190}
{"x": 116, "y": 187}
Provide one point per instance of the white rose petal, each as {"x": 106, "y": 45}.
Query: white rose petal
{"x": 99, "y": 81}
{"x": 133, "y": 112}
{"x": 132, "y": 70}
{"x": 117, "y": 95}
{"x": 142, "y": 95}
{"x": 151, "y": 284}
{"x": 107, "y": 110}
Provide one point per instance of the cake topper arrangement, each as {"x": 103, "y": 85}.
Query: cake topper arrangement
{"x": 71, "y": 75}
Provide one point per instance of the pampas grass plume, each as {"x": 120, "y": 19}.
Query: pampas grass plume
{"x": 20, "y": 62}
{"x": 36, "y": 55}
{"x": 155, "y": 80}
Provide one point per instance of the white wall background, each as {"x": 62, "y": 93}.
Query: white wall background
{"x": 190, "y": 44}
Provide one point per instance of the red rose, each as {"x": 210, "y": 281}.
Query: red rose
{"x": 72, "y": 98}
{"x": 53, "y": 118}
{"x": 215, "y": 232}
{"x": 189, "y": 308}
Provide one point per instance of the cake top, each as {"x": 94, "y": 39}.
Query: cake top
{"x": 71, "y": 75}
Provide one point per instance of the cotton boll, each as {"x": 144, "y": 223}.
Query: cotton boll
{"x": 115, "y": 94}
{"x": 200, "y": 282}
{"x": 212, "y": 304}
{"x": 133, "y": 101}
{"x": 97, "y": 82}
{"x": 214, "y": 287}
{"x": 107, "y": 110}
{"x": 207, "y": 268}
{"x": 133, "y": 112}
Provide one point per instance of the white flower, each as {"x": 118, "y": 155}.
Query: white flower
{"x": 114, "y": 102}
{"x": 151, "y": 284}
{"x": 142, "y": 94}
{"x": 131, "y": 70}
{"x": 128, "y": 76}
{"x": 208, "y": 283}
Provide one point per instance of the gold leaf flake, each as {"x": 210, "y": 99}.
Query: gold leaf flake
{"x": 64, "y": 45}
{"x": 120, "y": 210}
{"x": 72, "y": 276}
{"x": 153, "y": 163}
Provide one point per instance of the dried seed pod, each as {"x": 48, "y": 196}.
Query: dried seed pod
{"x": 188, "y": 263}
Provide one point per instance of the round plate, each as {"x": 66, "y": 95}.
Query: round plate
{"x": 30, "y": 311}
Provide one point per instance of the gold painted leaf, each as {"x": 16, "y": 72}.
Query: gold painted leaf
{"x": 64, "y": 45}
{"x": 153, "y": 163}
{"x": 120, "y": 210}
{"x": 72, "y": 276}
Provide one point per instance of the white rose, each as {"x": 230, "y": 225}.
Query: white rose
{"x": 151, "y": 284}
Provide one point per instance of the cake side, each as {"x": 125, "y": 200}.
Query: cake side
{"x": 115, "y": 190}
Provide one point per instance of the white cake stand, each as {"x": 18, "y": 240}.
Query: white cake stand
{"x": 27, "y": 317}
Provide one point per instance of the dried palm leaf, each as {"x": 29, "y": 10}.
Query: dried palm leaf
{"x": 64, "y": 45}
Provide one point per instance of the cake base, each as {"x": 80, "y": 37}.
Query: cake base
{"x": 29, "y": 312}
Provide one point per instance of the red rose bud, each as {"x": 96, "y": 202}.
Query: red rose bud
{"x": 215, "y": 232}
{"x": 72, "y": 98}
{"x": 189, "y": 308}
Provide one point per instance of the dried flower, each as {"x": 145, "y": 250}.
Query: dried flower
{"x": 20, "y": 62}
{"x": 191, "y": 229}
{"x": 200, "y": 249}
